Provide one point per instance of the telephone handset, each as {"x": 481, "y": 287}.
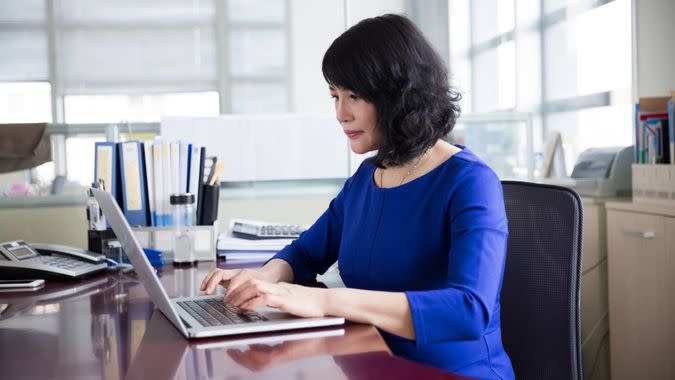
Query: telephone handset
{"x": 19, "y": 259}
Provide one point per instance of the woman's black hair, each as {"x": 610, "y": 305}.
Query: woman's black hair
{"x": 387, "y": 61}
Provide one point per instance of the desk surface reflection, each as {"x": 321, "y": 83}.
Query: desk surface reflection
{"x": 106, "y": 327}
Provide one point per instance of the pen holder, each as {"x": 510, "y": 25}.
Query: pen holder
{"x": 209, "y": 204}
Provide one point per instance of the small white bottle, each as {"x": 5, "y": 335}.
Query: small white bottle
{"x": 183, "y": 213}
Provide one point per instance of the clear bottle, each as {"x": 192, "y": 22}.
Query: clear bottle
{"x": 183, "y": 213}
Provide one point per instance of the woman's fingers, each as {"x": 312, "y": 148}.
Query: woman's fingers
{"x": 205, "y": 281}
{"x": 262, "y": 300}
{"x": 216, "y": 277}
{"x": 242, "y": 277}
{"x": 248, "y": 291}
{"x": 251, "y": 291}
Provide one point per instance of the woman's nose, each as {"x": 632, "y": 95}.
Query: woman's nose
{"x": 342, "y": 111}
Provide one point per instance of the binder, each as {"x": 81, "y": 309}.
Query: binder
{"x": 105, "y": 166}
{"x": 149, "y": 182}
{"x": 132, "y": 178}
{"x": 157, "y": 194}
{"x": 166, "y": 190}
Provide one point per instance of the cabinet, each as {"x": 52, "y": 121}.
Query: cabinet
{"x": 594, "y": 303}
{"x": 641, "y": 269}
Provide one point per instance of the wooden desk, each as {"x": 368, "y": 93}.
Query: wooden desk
{"x": 106, "y": 327}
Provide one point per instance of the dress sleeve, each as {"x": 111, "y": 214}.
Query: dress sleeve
{"x": 478, "y": 234}
{"x": 317, "y": 248}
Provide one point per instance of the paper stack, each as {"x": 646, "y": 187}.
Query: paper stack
{"x": 238, "y": 249}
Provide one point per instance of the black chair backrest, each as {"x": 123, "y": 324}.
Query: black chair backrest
{"x": 540, "y": 293}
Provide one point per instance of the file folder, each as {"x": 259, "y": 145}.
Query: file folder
{"x": 132, "y": 174}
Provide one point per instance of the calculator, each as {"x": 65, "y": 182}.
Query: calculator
{"x": 266, "y": 231}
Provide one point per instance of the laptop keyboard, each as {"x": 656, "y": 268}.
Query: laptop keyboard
{"x": 213, "y": 312}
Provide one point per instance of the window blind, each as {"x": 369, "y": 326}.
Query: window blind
{"x": 135, "y": 46}
{"x": 23, "y": 41}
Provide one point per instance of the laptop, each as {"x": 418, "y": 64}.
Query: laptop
{"x": 200, "y": 316}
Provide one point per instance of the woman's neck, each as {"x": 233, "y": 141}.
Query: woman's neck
{"x": 393, "y": 176}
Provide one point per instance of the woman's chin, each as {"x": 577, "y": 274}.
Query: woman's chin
{"x": 361, "y": 148}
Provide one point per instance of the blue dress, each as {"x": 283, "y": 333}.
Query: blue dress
{"x": 440, "y": 239}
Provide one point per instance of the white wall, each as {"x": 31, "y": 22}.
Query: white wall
{"x": 358, "y": 10}
{"x": 313, "y": 27}
{"x": 653, "y": 47}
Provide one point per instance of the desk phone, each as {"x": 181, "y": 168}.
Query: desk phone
{"x": 19, "y": 259}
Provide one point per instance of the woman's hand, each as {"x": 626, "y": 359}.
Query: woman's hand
{"x": 298, "y": 300}
{"x": 232, "y": 279}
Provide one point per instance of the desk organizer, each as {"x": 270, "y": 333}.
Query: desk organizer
{"x": 654, "y": 183}
{"x": 161, "y": 239}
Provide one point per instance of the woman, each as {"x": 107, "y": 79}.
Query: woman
{"x": 419, "y": 231}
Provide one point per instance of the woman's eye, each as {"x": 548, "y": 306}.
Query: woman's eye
{"x": 353, "y": 97}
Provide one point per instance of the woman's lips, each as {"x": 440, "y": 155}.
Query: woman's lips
{"x": 353, "y": 134}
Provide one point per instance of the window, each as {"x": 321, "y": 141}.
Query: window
{"x": 138, "y": 108}
{"x": 556, "y": 63}
{"x": 135, "y": 61}
{"x": 25, "y": 102}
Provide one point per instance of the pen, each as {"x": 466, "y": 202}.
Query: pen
{"x": 218, "y": 168}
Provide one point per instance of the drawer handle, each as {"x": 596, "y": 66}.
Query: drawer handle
{"x": 640, "y": 234}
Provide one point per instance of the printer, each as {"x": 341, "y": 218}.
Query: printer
{"x": 601, "y": 172}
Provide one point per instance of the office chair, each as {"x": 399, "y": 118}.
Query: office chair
{"x": 540, "y": 292}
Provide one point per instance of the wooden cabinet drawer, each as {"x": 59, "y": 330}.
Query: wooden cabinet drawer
{"x": 638, "y": 310}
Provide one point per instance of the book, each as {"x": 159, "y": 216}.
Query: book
{"x": 671, "y": 127}
{"x": 651, "y": 132}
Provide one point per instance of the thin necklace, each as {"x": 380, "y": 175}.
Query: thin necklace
{"x": 424, "y": 155}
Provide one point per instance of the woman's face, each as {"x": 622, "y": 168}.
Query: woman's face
{"x": 358, "y": 119}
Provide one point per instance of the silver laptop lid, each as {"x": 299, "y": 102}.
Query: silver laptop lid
{"x": 135, "y": 253}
